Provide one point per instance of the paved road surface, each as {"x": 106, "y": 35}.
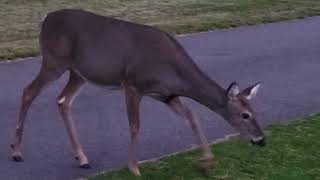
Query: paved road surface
{"x": 285, "y": 56}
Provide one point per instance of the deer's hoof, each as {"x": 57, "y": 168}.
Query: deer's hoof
{"x": 85, "y": 166}
{"x": 17, "y": 158}
{"x": 135, "y": 170}
{"x": 206, "y": 163}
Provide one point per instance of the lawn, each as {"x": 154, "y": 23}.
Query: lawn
{"x": 20, "y": 18}
{"x": 292, "y": 153}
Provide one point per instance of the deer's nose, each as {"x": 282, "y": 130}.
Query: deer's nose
{"x": 260, "y": 141}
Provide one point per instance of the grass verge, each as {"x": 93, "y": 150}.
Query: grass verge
{"x": 20, "y": 18}
{"x": 292, "y": 153}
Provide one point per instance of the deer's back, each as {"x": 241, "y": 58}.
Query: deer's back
{"x": 108, "y": 51}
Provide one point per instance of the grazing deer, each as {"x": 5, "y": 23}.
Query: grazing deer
{"x": 142, "y": 60}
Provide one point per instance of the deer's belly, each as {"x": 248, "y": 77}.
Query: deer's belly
{"x": 110, "y": 80}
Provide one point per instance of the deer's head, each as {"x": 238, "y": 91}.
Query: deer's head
{"x": 240, "y": 114}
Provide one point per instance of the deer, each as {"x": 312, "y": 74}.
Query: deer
{"x": 142, "y": 61}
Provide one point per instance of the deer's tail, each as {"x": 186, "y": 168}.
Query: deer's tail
{"x": 41, "y": 21}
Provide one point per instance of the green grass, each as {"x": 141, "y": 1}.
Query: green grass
{"x": 292, "y": 153}
{"x": 20, "y": 18}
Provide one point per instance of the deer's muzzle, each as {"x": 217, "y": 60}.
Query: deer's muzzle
{"x": 260, "y": 141}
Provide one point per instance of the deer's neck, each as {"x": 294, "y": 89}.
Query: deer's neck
{"x": 207, "y": 92}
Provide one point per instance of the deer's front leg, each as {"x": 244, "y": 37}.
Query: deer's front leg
{"x": 182, "y": 110}
{"x": 132, "y": 103}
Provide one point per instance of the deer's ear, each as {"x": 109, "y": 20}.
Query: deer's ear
{"x": 233, "y": 90}
{"x": 251, "y": 91}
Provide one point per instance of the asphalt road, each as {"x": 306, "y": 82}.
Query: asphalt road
{"x": 285, "y": 56}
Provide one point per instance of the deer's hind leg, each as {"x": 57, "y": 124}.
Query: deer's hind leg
{"x": 133, "y": 99}
{"x": 45, "y": 76}
{"x": 64, "y": 102}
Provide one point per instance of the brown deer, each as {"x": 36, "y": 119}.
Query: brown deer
{"x": 142, "y": 60}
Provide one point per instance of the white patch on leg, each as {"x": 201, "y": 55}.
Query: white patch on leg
{"x": 60, "y": 101}
{"x": 16, "y": 153}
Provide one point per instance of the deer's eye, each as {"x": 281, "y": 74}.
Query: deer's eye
{"x": 245, "y": 115}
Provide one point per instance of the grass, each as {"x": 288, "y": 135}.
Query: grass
{"x": 20, "y": 18}
{"x": 292, "y": 153}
